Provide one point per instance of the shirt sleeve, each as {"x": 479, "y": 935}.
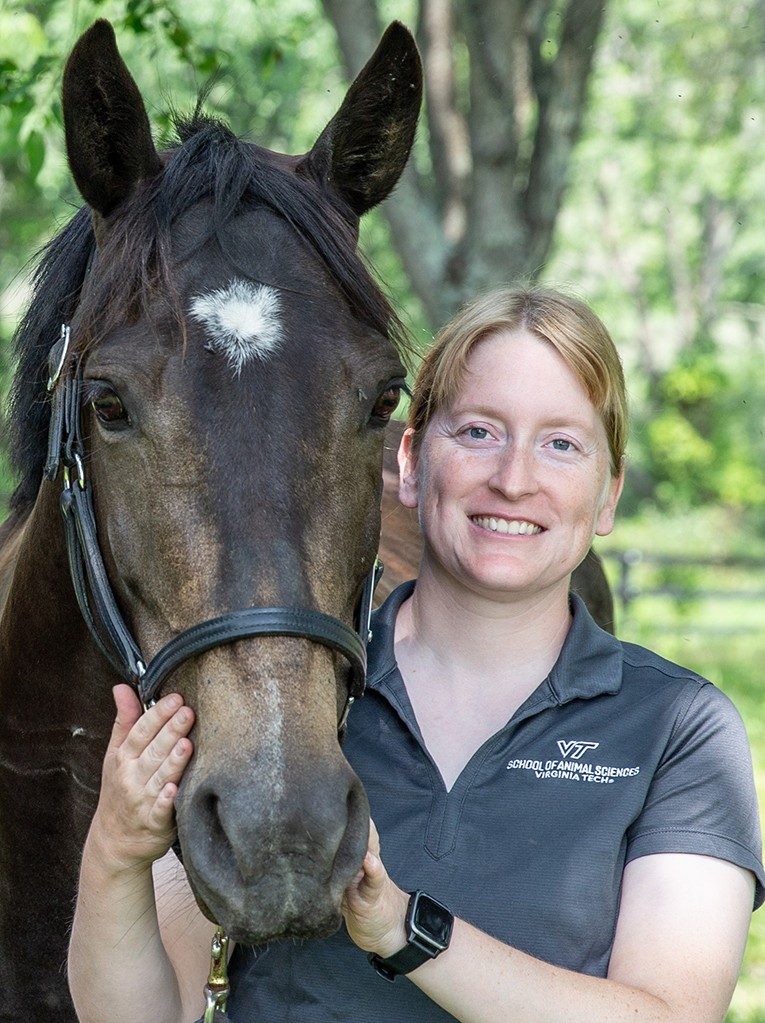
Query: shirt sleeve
{"x": 702, "y": 797}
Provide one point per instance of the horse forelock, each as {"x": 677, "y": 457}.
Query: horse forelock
{"x": 134, "y": 266}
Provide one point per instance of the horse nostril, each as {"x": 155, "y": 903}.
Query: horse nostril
{"x": 210, "y": 810}
{"x": 217, "y": 846}
{"x": 353, "y": 844}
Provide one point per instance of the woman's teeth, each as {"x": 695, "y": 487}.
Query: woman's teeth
{"x": 513, "y": 526}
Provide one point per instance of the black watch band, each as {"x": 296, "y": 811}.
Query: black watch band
{"x": 428, "y": 932}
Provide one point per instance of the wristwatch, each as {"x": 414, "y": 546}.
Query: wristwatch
{"x": 428, "y": 933}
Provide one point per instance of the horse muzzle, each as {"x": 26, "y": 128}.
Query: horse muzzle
{"x": 271, "y": 858}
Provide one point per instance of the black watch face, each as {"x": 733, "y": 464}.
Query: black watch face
{"x": 432, "y": 920}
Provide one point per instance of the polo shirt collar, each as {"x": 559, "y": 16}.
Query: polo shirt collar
{"x": 590, "y": 661}
{"x": 589, "y": 664}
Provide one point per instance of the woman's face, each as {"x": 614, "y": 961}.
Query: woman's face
{"x": 512, "y": 481}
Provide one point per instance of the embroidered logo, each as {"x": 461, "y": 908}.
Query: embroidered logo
{"x": 574, "y": 749}
{"x": 572, "y": 767}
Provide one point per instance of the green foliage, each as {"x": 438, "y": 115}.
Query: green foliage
{"x": 696, "y": 447}
{"x": 667, "y": 188}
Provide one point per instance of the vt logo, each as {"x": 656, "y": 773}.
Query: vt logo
{"x": 573, "y": 749}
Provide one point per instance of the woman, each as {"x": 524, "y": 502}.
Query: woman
{"x": 585, "y": 808}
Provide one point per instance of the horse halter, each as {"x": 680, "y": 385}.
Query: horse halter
{"x": 100, "y": 610}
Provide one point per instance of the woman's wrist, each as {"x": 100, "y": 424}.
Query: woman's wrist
{"x": 395, "y": 938}
{"x": 103, "y": 852}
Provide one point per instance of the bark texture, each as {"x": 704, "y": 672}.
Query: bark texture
{"x": 506, "y": 88}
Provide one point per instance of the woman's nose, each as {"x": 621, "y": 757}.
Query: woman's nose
{"x": 515, "y": 473}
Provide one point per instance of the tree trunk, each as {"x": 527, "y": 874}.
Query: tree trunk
{"x": 486, "y": 213}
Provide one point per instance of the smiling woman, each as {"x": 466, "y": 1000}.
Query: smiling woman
{"x": 580, "y": 811}
{"x": 570, "y": 820}
{"x": 525, "y": 386}
{"x": 511, "y": 482}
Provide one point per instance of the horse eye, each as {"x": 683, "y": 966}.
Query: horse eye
{"x": 386, "y": 404}
{"x": 109, "y": 408}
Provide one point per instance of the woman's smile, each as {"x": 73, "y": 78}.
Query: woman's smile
{"x": 505, "y": 527}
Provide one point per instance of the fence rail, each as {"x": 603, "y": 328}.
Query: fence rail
{"x": 629, "y": 588}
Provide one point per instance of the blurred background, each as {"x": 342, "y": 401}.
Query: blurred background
{"x": 613, "y": 148}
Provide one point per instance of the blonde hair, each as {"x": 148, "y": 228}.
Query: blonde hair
{"x": 573, "y": 330}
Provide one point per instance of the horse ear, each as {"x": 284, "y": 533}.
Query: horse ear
{"x": 108, "y": 138}
{"x": 364, "y": 148}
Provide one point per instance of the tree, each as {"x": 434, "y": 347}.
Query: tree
{"x": 667, "y": 188}
{"x": 506, "y": 86}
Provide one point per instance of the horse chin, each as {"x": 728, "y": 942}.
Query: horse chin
{"x": 293, "y": 934}
{"x": 273, "y": 909}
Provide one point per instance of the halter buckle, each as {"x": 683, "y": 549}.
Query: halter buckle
{"x": 80, "y": 473}
{"x": 64, "y": 342}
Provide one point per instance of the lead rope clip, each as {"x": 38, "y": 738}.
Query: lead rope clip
{"x": 217, "y": 987}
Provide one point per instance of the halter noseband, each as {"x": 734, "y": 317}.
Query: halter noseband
{"x": 94, "y": 593}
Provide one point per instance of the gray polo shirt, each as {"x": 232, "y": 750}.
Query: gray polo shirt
{"x": 617, "y": 754}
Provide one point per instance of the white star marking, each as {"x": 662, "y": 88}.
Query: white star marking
{"x": 241, "y": 321}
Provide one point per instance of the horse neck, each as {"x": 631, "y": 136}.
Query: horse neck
{"x": 55, "y": 712}
{"x": 47, "y": 657}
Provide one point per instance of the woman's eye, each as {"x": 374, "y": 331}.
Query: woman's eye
{"x": 561, "y": 444}
{"x": 386, "y": 404}
{"x": 478, "y": 433}
{"x": 109, "y": 408}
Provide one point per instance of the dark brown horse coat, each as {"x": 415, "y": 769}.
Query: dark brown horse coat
{"x": 239, "y": 366}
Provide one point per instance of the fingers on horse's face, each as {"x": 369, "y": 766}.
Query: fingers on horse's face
{"x": 235, "y": 427}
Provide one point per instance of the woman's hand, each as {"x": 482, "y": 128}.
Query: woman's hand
{"x": 373, "y": 906}
{"x": 147, "y": 754}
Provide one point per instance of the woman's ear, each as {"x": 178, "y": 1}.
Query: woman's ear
{"x": 408, "y": 480}
{"x": 605, "y": 523}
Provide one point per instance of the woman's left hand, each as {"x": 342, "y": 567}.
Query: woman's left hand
{"x": 373, "y": 906}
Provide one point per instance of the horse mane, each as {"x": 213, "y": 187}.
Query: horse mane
{"x": 208, "y": 163}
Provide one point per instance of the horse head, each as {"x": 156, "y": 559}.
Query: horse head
{"x": 238, "y": 368}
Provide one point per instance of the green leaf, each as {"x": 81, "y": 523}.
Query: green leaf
{"x": 34, "y": 150}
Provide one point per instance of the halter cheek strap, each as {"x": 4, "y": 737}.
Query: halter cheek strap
{"x": 95, "y": 596}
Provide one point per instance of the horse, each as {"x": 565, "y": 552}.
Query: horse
{"x": 205, "y": 376}
{"x": 229, "y": 367}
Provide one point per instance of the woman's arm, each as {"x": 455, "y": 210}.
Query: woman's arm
{"x": 677, "y": 952}
{"x": 119, "y": 969}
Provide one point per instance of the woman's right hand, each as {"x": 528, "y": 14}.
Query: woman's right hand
{"x": 134, "y": 822}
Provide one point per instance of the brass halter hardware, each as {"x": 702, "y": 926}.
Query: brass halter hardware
{"x": 217, "y": 986}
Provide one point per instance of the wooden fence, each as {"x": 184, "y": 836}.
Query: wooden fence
{"x": 632, "y": 581}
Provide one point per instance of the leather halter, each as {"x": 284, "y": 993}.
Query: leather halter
{"x": 96, "y": 598}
